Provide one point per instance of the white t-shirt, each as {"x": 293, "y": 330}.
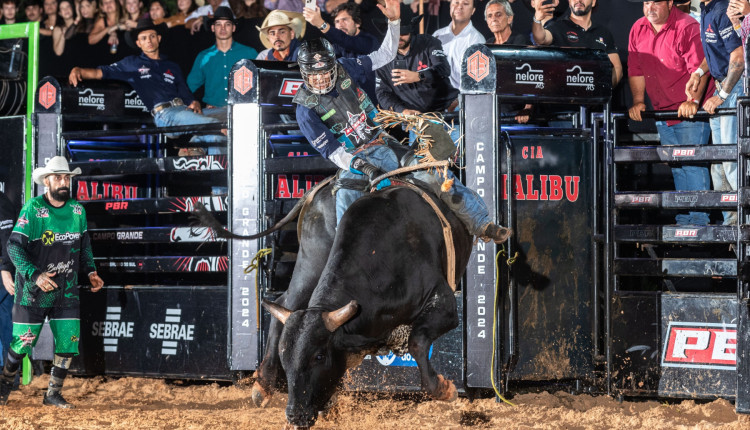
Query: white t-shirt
{"x": 455, "y": 45}
{"x": 206, "y": 10}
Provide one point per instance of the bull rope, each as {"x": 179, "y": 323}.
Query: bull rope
{"x": 255, "y": 265}
{"x": 509, "y": 261}
{"x": 421, "y": 166}
{"x": 450, "y": 250}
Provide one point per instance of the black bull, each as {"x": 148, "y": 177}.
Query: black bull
{"x": 383, "y": 268}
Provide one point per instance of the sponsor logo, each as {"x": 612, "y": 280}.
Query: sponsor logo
{"x": 77, "y": 209}
{"x": 61, "y": 267}
{"x": 243, "y": 80}
{"x": 729, "y": 197}
{"x": 48, "y": 238}
{"x": 112, "y": 329}
{"x": 27, "y": 338}
{"x": 686, "y": 199}
{"x": 700, "y": 345}
{"x": 132, "y": 101}
{"x": 683, "y": 152}
{"x": 193, "y": 234}
{"x": 541, "y": 187}
{"x": 47, "y": 95}
{"x": 686, "y": 232}
{"x": 295, "y": 186}
{"x": 116, "y": 206}
{"x": 96, "y": 190}
{"x": 357, "y": 127}
{"x": 478, "y": 66}
{"x": 640, "y": 199}
{"x": 89, "y": 98}
{"x": 74, "y": 339}
{"x": 393, "y": 360}
{"x": 578, "y": 78}
{"x": 168, "y": 77}
{"x": 572, "y": 36}
{"x": 346, "y": 83}
{"x": 171, "y": 331}
{"x": 42, "y": 213}
{"x": 22, "y": 221}
{"x": 289, "y": 87}
{"x": 208, "y": 162}
{"x": 525, "y": 75}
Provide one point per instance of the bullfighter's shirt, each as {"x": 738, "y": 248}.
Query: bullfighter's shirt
{"x": 155, "y": 81}
{"x": 50, "y": 239}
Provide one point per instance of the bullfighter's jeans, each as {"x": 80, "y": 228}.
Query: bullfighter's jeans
{"x": 181, "y": 115}
{"x": 464, "y": 202}
{"x": 687, "y": 177}
{"x": 724, "y": 131}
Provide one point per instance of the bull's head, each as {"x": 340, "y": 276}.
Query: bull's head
{"x": 314, "y": 365}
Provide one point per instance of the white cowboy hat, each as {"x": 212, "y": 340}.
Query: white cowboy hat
{"x": 55, "y": 166}
{"x": 293, "y": 20}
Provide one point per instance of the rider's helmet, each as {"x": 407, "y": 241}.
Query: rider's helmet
{"x": 317, "y": 62}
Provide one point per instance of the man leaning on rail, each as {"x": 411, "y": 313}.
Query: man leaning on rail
{"x": 158, "y": 82}
{"x": 337, "y": 117}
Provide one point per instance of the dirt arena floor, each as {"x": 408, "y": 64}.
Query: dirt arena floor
{"x": 135, "y": 403}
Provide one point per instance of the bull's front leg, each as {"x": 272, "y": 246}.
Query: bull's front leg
{"x": 438, "y": 318}
{"x": 268, "y": 371}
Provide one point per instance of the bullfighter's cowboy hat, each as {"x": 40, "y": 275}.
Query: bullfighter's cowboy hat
{"x": 55, "y": 166}
{"x": 293, "y": 20}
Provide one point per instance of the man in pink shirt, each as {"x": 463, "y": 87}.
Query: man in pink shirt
{"x": 664, "y": 49}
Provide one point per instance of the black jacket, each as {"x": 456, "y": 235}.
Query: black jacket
{"x": 433, "y": 94}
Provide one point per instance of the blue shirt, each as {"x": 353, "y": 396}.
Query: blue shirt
{"x": 718, "y": 37}
{"x": 211, "y": 68}
{"x": 316, "y": 132}
{"x": 155, "y": 81}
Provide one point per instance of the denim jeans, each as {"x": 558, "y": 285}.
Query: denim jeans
{"x": 723, "y": 132}
{"x": 464, "y": 202}
{"x": 181, "y": 115}
{"x": 687, "y": 177}
{"x": 6, "y": 322}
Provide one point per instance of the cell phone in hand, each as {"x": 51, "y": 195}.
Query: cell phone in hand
{"x": 400, "y": 64}
{"x": 310, "y": 4}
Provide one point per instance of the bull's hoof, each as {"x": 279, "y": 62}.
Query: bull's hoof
{"x": 260, "y": 396}
{"x": 446, "y": 390}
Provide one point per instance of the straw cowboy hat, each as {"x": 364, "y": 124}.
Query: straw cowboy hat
{"x": 293, "y": 20}
{"x": 55, "y": 166}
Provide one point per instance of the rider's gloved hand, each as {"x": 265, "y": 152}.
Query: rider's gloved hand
{"x": 362, "y": 167}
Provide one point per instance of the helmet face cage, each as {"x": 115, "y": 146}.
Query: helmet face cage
{"x": 317, "y": 58}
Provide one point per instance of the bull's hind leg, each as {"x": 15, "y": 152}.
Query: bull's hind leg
{"x": 439, "y": 317}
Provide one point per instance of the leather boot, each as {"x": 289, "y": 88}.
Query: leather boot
{"x": 495, "y": 233}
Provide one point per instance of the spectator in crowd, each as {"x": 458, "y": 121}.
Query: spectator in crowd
{"x": 133, "y": 10}
{"x": 575, "y": 30}
{"x": 499, "y": 17}
{"x": 158, "y": 82}
{"x": 280, "y": 34}
{"x": 10, "y": 10}
{"x": 737, "y": 12}
{"x": 724, "y": 60}
{"x": 7, "y": 273}
{"x": 346, "y": 36}
{"x": 47, "y": 277}
{"x": 63, "y": 32}
{"x": 195, "y": 20}
{"x": 418, "y": 79}
{"x": 457, "y": 36}
{"x": 86, "y": 16}
{"x": 330, "y": 5}
{"x": 664, "y": 48}
{"x": 184, "y": 9}
{"x": 212, "y": 66}
{"x": 247, "y": 9}
{"x": 33, "y": 10}
{"x": 157, "y": 11}
{"x": 50, "y": 18}
{"x": 111, "y": 20}
{"x": 289, "y": 5}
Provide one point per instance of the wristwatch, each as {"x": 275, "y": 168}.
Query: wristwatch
{"x": 324, "y": 26}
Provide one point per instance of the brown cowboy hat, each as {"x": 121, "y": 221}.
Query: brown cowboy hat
{"x": 293, "y": 20}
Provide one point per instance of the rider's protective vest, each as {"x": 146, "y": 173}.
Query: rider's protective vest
{"x": 349, "y": 116}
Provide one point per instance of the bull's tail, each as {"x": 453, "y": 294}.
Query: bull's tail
{"x": 205, "y": 218}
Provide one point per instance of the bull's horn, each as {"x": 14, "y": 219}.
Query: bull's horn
{"x": 337, "y": 318}
{"x": 281, "y": 313}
